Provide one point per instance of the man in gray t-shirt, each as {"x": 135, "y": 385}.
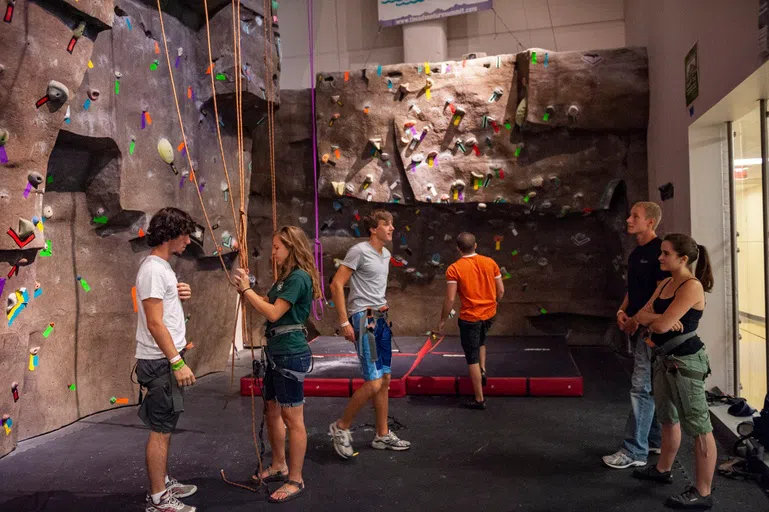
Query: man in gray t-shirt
{"x": 366, "y": 268}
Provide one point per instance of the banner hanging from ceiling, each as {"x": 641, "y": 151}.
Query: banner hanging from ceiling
{"x": 400, "y": 12}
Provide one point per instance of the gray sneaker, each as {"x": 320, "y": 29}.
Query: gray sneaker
{"x": 168, "y": 503}
{"x": 390, "y": 442}
{"x": 658, "y": 451}
{"x": 342, "y": 439}
{"x": 621, "y": 460}
{"x": 179, "y": 489}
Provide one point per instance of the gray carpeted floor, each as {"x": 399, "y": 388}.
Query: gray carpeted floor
{"x": 529, "y": 454}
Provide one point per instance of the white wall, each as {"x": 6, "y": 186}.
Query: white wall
{"x": 347, "y": 32}
{"x": 727, "y": 36}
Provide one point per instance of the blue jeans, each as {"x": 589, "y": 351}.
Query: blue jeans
{"x": 642, "y": 429}
{"x": 373, "y": 370}
{"x": 284, "y": 387}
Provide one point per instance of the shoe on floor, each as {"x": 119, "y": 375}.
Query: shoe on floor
{"x": 342, "y": 439}
{"x": 690, "y": 499}
{"x": 168, "y": 503}
{"x": 484, "y": 380}
{"x": 390, "y": 442}
{"x": 475, "y": 404}
{"x": 658, "y": 451}
{"x": 651, "y": 473}
{"x": 179, "y": 489}
{"x": 621, "y": 460}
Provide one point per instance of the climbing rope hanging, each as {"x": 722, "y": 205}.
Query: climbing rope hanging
{"x": 216, "y": 122}
{"x": 317, "y": 305}
{"x": 184, "y": 140}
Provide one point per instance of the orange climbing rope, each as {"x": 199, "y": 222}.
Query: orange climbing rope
{"x": 184, "y": 139}
{"x": 216, "y": 121}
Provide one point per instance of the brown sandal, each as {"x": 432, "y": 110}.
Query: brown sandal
{"x": 272, "y": 475}
{"x": 289, "y": 495}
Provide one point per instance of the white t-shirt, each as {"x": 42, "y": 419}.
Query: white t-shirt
{"x": 157, "y": 280}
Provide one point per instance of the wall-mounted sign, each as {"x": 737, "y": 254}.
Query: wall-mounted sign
{"x": 399, "y": 12}
{"x": 692, "y": 75}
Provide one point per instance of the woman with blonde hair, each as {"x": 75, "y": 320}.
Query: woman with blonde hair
{"x": 286, "y": 309}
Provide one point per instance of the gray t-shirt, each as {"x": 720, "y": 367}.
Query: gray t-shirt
{"x": 368, "y": 282}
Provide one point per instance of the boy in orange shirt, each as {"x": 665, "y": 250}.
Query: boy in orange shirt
{"x": 479, "y": 283}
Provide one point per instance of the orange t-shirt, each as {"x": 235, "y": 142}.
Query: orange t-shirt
{"x": 475, "y": 276}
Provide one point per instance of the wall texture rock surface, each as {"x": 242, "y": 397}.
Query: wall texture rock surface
{"x": 102, "y": 179}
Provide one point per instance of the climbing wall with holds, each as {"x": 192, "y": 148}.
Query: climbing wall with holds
{"x": 533, "y": 129}
{"x": 538, "y": 154}
{"x": 90, "y": 149}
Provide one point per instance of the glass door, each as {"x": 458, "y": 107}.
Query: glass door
{"x": 748, "y": 209}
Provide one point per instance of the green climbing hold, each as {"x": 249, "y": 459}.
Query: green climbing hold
{"x": 100, "y": 220}
{"x": 72, "y": 387}
{"x": 221, "y": 77}
{"x": 543, "y": 311}
{"x": 274, "y": 5}
{"x": 154, "y": 65}
{"x": 50, "y": 179}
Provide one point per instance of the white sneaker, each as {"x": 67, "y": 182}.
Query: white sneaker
{"x": 179, "y": 489}
{"x": 390, "y": 442}
{"x": 342, "y": 439}
{"x": 168, "y": 503}
{"x": 621, "y": 460}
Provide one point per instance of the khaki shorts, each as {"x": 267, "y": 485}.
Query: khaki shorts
{"x": 682, "y": 399}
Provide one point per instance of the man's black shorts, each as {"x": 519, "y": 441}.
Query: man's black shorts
{"x": 157, "y": 407}
{"x": 473, "y": 337}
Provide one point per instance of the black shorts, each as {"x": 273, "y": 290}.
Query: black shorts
{"x": 157, "y": 407}
{"x": 473, "y": 337}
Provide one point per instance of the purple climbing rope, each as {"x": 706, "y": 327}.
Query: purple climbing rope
{"x": 317, "y": 305}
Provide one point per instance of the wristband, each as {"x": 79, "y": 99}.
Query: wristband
{"x": 178, "y": 365}
{"x": 176, "y": 358}
{"x": 344, "y": 324}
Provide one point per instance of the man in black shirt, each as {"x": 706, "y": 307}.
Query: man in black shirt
{"x": 642, "y": 432}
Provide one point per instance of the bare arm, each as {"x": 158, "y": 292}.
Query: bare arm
{"x": 341, "y": 278}
{"x": 500, "y": 288}
{"x": 272, "y": 312}
{"x": 337, "y": 294}
{"x": 689, "y": 295}
{"x": 448, "y": 301}
{"x": 646, "y": 314}
{"x": 625, "y": 301}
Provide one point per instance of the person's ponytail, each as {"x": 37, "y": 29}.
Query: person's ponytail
{"x": 704, "y": 271}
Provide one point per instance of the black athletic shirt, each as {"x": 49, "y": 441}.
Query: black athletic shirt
{"x": 689, "y": 321}
{"x": 643, "y": 274}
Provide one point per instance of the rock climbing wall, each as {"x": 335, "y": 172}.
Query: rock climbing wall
{"x": 538, "y": 154}
{"x": 81, "y": 175}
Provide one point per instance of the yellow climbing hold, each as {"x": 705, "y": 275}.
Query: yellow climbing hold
{"x": 166, "y": 151}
